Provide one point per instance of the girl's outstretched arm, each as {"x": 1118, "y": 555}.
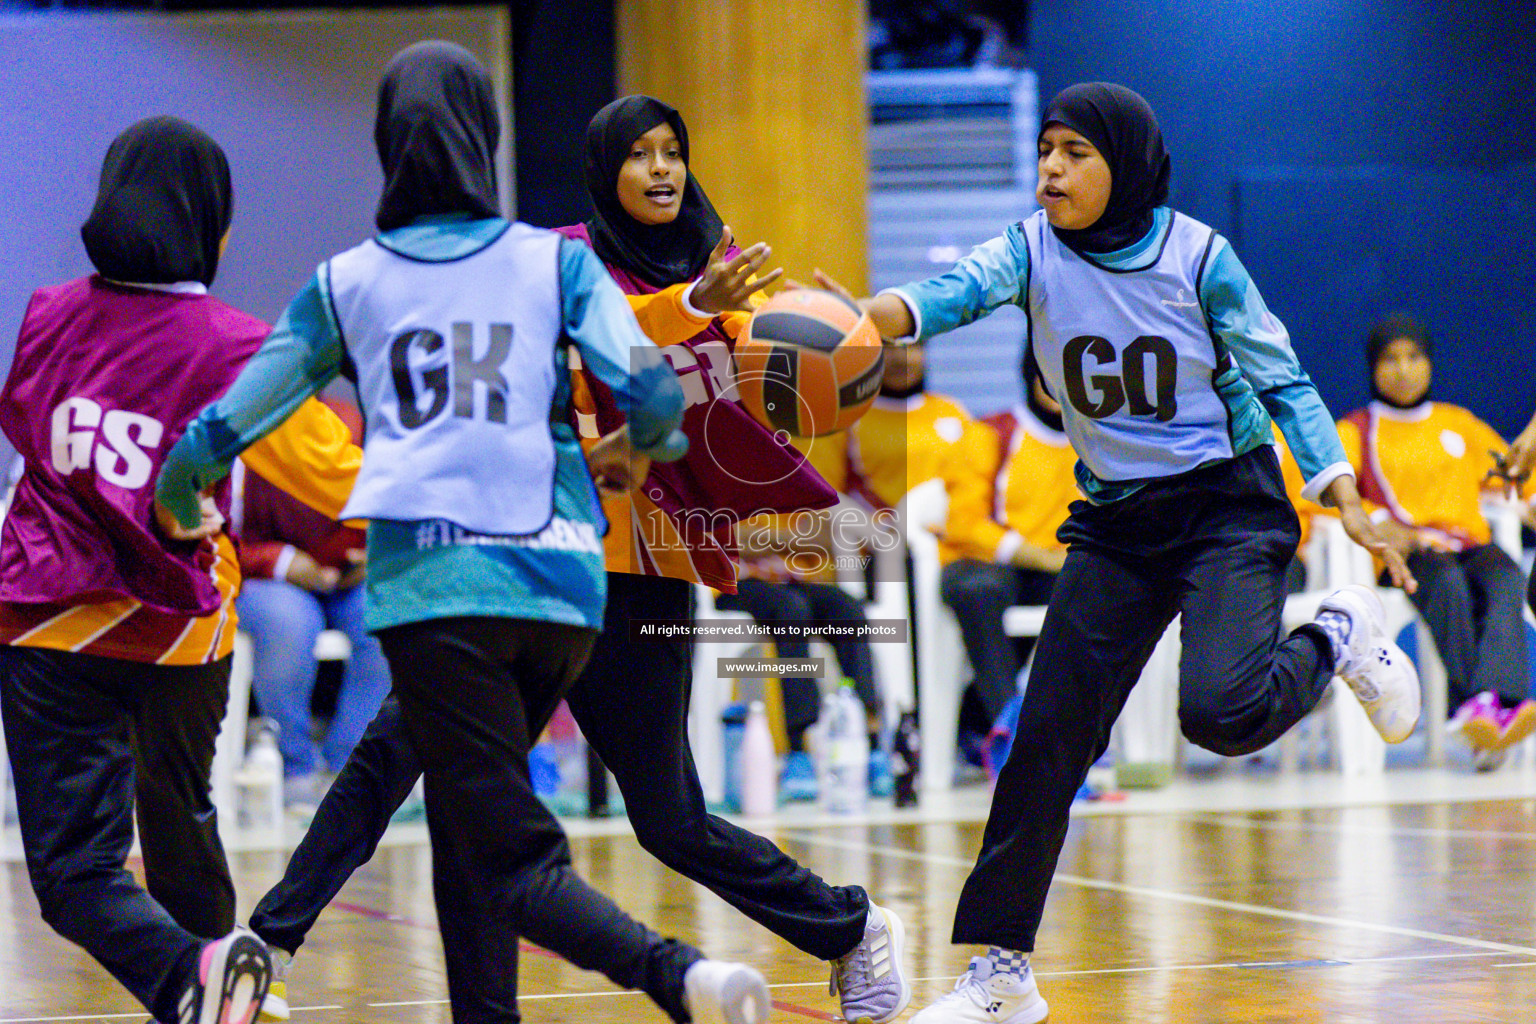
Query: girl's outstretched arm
{"x": 890, "y": 314}
{"x": 988, "y": 277}
{"x": 1343, "y": 495}
{"x": 301, "y": 356}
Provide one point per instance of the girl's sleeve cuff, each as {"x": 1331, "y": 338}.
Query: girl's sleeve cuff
{"x": 917, "y": 316}
{"x": 1318, "y": 484}
{"x": 691, "y": 309}
{"x": 283, "y": 561}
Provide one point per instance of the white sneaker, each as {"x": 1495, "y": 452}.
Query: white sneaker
{"x": 1374, "y": 667}
{"x": 982, "y": 997}
{"x": 870, "y": 979}
{"x": 724, "y": 993}
{"x": 275, "y": 1006}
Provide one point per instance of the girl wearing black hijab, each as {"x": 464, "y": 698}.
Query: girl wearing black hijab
{"x": 1170, "y": 370}
{"x": 631, "y": 700}
{"x": 1426, "y": 466}
{"x": 662, "y": 241}
{"x": 115, "y": 644}
{"x": 486, "y": 587}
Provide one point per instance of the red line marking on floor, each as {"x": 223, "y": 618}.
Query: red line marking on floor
{"x": 374, "y": 914}
{"x": 381, "y": 915}
{"x": 804, "y": 1011}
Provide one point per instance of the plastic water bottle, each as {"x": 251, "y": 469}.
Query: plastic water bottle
{"x": 733, "y": 723}
{"x": 846, "y": 752}
{"x": 263, "y": 771}
{"x": 544, "y": 770}
{"x": 759, "y": 777}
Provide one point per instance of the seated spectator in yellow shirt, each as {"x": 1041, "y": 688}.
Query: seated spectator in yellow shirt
{"x": 1026, "y": 487}
{"x": 1423, "y": 467}
{"x": 911, "y": 435}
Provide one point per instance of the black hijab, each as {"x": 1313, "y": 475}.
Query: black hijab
{"x": 163, "y": 205}
{"x": 1383, "y": 334}
{"x": 661, "y": 254}
{"x": 1124, "y": 129}
{"x": 436, "y": 131}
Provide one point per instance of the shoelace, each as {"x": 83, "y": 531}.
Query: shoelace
{"x": 970, "y": 988}
{"x": 856, "y": 963}
{"x": 974, "y": 990}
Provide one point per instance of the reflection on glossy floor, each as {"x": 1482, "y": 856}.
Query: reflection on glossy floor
{"x": 1403, "y": 912}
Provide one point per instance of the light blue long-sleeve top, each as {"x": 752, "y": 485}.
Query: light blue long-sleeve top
{"x": 431, "y": 569}
{"x": 1256, "y": 374}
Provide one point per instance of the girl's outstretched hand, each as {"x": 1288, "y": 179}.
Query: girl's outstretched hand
{"x": 825, "y": 282}
{"x": 1343, "y": 495}
{"x": 890, "y": 314}
{"x": 729, "y": 284}
{"x": 308, "y": 574}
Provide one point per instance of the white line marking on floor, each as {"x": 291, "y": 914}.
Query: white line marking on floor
{"x": 135, "y": 1015}
{"x": 1179, "y": 897}
{"x": 1249, "y": 964}
{"x": 1360, "y": 961}
{"x": 1238, "y": 821}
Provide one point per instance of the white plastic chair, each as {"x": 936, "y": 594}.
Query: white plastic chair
{"x": 229, "y": 748}
{"x": 940, "y": 648}
{"x": 887, "y": 596}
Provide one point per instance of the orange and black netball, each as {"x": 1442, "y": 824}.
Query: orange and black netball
{"x": 809, "y": 363}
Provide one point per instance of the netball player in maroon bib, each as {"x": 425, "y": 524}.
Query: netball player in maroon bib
{"x": 115, "y": 642}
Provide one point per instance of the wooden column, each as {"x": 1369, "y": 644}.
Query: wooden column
{"x": 772, "y": 92}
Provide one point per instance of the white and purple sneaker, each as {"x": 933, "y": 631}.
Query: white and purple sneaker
{"x": 1375, "y": 668}
{"x": 275, "y": 1006}
{"x": 1516, "y": 723}
{"x": 870, "y": 979}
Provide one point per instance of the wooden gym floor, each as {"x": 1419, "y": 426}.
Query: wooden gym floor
{"x": 1217, "y": 903}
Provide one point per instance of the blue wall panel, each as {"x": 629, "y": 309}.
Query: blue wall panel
{"x": 1333, "y": 251}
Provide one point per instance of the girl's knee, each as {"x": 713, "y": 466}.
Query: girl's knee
{"x": 669, "y": 840}
{"x": 1208, "y": 728}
